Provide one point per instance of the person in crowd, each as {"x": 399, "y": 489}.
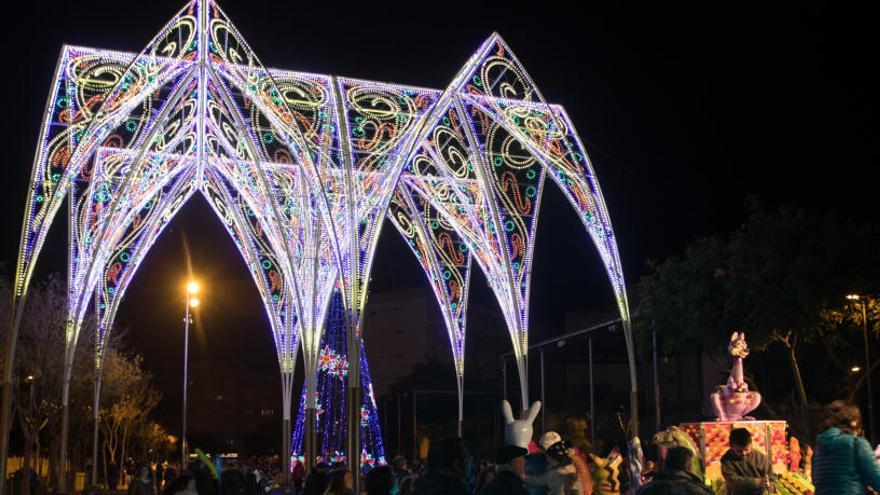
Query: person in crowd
{"x": 231, "y": 482}
{"x": 160, "y": 471}
{"x": 417, "y": 468}
{"x": 181, "y": 485}
{"x": 142, "y": 482}
{"x": 406, "y": 486}
{"x": 252, "y": 485}
{"x": 380, "y": 481}
{"x": 299, "y": 475}
{"x": 169, "y": 475}
{"x": 509, "y": 473}
{"x": 341, "y": 482}
{"x": 206, "y": 482}
{"x": 401, "y": 470}
{"x": 675, "y": 479}
{"x": 449, "y": 468}
{"x": 843, "y": 463}
{"x": 745, "y": 470}
{"x": 486, "y": 474}
{"x": 316, "y": 481}
{"x": 112, "y": 476}
{"x": 561, "y": 475}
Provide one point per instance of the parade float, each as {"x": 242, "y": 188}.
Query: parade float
{"x": 732, "y": 403}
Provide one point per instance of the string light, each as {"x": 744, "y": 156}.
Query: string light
{"x": 301, "y": 169}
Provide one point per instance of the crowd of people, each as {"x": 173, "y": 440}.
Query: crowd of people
{"x": 844, "y": 463}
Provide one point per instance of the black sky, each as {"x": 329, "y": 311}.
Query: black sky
{"x": 685, "y": 110}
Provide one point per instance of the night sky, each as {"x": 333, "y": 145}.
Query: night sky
{"x": 685, "y": 111}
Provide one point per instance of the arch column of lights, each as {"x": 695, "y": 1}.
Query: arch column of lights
{"x": 197, "y": 102}
{"x": 446, "y": 262}
{"x": 39, "y": 198}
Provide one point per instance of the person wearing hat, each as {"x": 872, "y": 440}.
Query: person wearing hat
{"x": 562, "y": 475}
{"x": 509, "y": 472}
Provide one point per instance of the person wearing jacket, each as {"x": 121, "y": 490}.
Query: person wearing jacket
{"x": 143, "y": 482}
{"x": 510, "y": 472}
{"x": 675, "y": 479}
{"x": 449, "y": 468}
{"x": 843, "y": 463}
{"x": 561, "y": 476}
{"x": 745, "y": 470}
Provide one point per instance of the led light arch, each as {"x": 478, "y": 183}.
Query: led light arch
{"x": 302, "y": 169}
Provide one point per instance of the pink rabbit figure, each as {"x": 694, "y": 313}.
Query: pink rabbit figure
{"x": 733, "y": 401}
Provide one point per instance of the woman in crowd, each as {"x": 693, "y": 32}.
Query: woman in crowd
{"x": 341, "y": 482}
{"x": 142, "y": 483}
{"x": 844, "y": 463}
{"x": 181, "y": 485}
{"x": 380, "y": 481}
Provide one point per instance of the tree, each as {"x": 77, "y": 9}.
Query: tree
{"x": 38, "y": 373}
{"x": 776, "y": 277}
{"x": 130, "y": 397}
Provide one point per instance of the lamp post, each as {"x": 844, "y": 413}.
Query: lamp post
{"x": 864, "y": 301}
{"x": 192, "y": 288}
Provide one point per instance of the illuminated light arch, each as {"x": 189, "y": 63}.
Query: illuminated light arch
{"x": 316, "y": 160}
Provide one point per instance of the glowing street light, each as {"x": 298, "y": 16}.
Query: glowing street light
{"x": 194, "y": 302}
{"x": 856, "y": 369}
{"x": 192, "y": 287}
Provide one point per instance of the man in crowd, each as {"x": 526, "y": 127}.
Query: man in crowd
{"x": 449, "y": 468}
{"x": 675, "y": 479}
{"x": 746, "y": 471}
{"x": 509, "y": 472}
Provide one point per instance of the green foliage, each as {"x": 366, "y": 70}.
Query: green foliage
{"x": 782, "y": 277}
{"x": 773, "y": 275}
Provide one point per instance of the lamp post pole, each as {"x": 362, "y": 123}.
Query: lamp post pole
{"x": 864, "y": 300}
{"x": 191, "y": 302}
{"x": 868, "y": 370}
{"x": 185, "y": 380}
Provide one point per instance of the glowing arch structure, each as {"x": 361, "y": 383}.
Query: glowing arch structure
{"x": 302, "y": 169}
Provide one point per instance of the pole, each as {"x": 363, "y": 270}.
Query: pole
{"x": 309, "y": 450}
{"x": 871, "y": 432}
{"x": 415, "y": 429}
{"x": 6, "y": 408}
{"x": 543, "y": 397}
{"x": 97, "y": 399}
{"x": 399, "y": 428}
{"x": 460, "y": 383}
{"x": 183, "y": 446}
{"x": 65, "y": 418}
{"x": 95, "y": 416}
{"x": 309, "y": 441}
{"x": 656, "y": 382}
{"x": 592, "y": 410}
{"x": 504, "y": 378}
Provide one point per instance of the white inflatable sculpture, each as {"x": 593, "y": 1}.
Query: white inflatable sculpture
{"x": 519, "y": 431}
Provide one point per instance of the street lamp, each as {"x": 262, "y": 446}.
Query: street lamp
{"x": 864, "y": 301}
{"x": 192, "y": 288}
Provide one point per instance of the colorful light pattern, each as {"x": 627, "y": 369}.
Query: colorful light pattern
{"x": 331, "y": 425}
{"x": 301, "y": 169}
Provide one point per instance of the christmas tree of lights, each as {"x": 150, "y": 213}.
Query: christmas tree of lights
{"x": 331, "y": 424}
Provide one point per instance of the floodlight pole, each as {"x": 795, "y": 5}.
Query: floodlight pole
{"x": 186, "y": 322}
{"x": 871, "y": 431}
